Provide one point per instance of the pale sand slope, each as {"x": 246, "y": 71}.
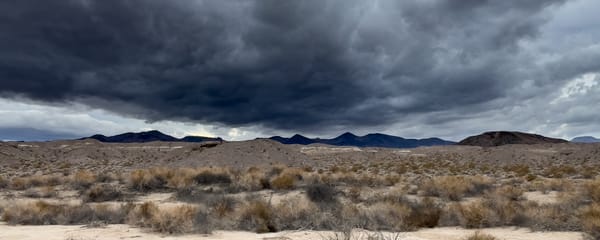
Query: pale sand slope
{"x": 126, "y": 232}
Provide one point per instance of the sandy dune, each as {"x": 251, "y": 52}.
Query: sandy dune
{"x": 125, "y": 232}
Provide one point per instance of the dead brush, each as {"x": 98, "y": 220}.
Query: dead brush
{"x": 389, "y": 216}
{"x": 257, "y": 216}
{"x": 44, "y": 213}
{"x": 480, "y": 236}
{"x": 208, "y": 177}
{"x": 454, "y": 188}
{"x": 175, "y": 220}
{"x": 551, "y": 217}
{"x": 222, "y": 206}
{"x": 44, "y": 192}
{"x": 283, "y": 182}
{"x": 102, "y": 193}
{"x": 590, "y": 218}
{"x": 83, "y": 179}
{"x": 475, "y": 215}
{"x": 148, "y": 180}
{"x": 591, "y": 190}
{"x": 507, "y": 192}
{"x": 3, "y": 182}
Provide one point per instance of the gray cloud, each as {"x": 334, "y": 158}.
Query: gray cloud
{"x": 288, "y": 65}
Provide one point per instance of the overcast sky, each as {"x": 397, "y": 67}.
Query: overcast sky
{"x": 245, "y": 69}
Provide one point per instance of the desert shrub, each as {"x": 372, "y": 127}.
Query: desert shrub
{"x": 559, "y": 171}
{"x": 426, "y": 213}
{"x": 506, "y": 192}
{"x": 83, "y": 179}
{"x": 18, "y": 183}
{"x": 480, "y": 236}
{"x": 454, "y": 188}
{"x": 3, "y": 182}
{"x": 507, "y": 212}
{"x": 174, "y": 220}
{"x": 547, "y": 185}
{"x": 283, "y": 182}
{"x": 44, "y": 192}
{"x": 294, "y": 215}
{"x": 388, "y": 216}
{"x": 105, "y": 178}
{"x": 207, "y": 177}
{"x": 222, "y": 205}
{"x": 591, "y": 190}
{"x": 180, "y": 219}
{"x": 475, "y": 215}
{"x": 101, "y": 193}
{"x": 321, "y": 193}
{"x": 43, "y": 213}
{"x": 590, "y": 218}
{"x": 519, "y": 169}
{"x": 148, "y": 180}
{"x": 257, "y": 216}
{"x": 190, "y": 194}
{"x": 184, "y": 178}
{"x": 551, "y": 217}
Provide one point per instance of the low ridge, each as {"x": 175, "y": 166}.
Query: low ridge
{"x": 585, "y": 139}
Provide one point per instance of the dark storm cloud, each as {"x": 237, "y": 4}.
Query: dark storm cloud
{"x": 280, "y": 64}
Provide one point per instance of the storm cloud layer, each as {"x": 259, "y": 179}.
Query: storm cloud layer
{"x": 291, "y": 65}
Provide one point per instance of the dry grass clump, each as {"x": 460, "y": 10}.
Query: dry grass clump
{"x": 454, "y": 188}
{"x": 474, "y": 215}
{"x": 258, "y": 216}
{"x": 508, "y": 192}
{"x": 590, "y": 219}
{"x": 551, "y": 217}
{"x": 284, "y": 182}
{"x": 559, "y": 171}
{"x": 480, "y": 236}
{"x": 222, "y": 205}
{"x": 296, "y": 214}
{"x": 591, "y": 190}
{"x": 22, "y": 183}
{"x": 102, "y": 193}
{"x": 83, "y": 179}
{"x": 149, "y": 180}
{"x": 175, "y": 220}
{"x": 44, "y": 192}
{"x": 546, "y": 185}
{"x": 43, "y": 213}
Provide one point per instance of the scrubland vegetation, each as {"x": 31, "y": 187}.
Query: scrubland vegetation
{"x": 384, "y": 196}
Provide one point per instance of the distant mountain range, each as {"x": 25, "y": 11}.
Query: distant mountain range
{"x": 369, "y": 140}
{"x": 487, "y": 139}
{"x": 498, "y": 138}
{"x": 586, "y": 139}
{"x": 150, "y": 136}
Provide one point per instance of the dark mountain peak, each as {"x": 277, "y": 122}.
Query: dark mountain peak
{"x": 498, "y": 138}
{"x": 347, "y": 135}
{"x": 299, "y": 139}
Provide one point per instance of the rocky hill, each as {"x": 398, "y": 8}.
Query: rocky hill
{"x": 491, "y": 139}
